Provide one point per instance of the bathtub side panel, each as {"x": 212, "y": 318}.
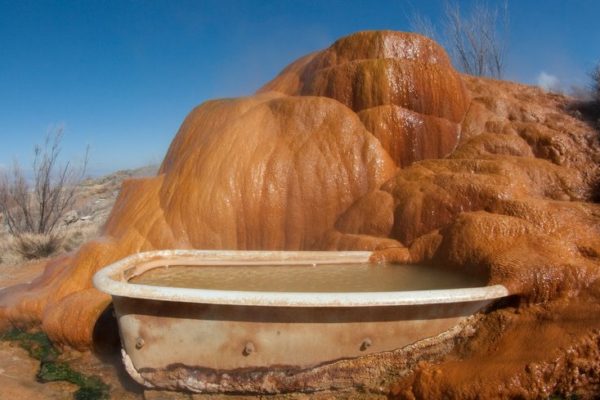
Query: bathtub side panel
{"x": 162, "y": 335}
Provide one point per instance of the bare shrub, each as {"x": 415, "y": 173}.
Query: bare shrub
{"x": 595, "y": 86}
{"x": 476, "y": 39}
{"x": 423, "y": 25}
{"x": 73, "y": 238}
{"x": 33, "y": 208}
{"x": 586, "y": 104}
{"x": 37, "y": 245}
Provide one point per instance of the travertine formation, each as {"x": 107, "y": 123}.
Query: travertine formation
{"x": 402, "y": 87}
{"x": 376, "y": 143}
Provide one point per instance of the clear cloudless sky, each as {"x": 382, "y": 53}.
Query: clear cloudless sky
{"x": 120, "y": 76}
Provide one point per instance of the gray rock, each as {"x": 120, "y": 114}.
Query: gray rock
{"x": 71, "y": 217}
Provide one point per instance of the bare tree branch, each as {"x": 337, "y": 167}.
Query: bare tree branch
{"x": 476, "y": 40}
{"x": 39, "y": 208}
{"x": 423, "y": 25}
{"x": 595, "y": 75}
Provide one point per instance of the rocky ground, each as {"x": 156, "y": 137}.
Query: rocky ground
{"x": 18, "y": 377}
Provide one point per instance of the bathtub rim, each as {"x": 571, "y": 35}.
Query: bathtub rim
{"x": 112, "y": 280}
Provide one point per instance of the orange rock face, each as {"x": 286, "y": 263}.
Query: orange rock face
{"x": 286, "y": 167}
{"x": 377, "y": 143}
{"x": 401, "y": 85}
{"x": 513, "y": 201}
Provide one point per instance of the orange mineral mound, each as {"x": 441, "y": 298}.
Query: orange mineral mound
{"x": 377, "y": 143}
{"x": 401, "y": 85}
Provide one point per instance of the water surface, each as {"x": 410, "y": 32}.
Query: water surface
{"x": 307, "y": 278}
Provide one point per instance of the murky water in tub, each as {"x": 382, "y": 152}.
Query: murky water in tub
{"x": 307, "y": 278}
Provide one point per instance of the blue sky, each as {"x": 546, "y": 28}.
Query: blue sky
{"x": 120, "y": 76}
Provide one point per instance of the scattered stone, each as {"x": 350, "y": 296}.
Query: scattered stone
{"x": 71, "y": 217}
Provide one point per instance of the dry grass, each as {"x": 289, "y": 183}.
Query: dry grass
{"x": 8, "y": 255}
{"x": 32, "y": 246}
{"x": 18, "y": 249}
